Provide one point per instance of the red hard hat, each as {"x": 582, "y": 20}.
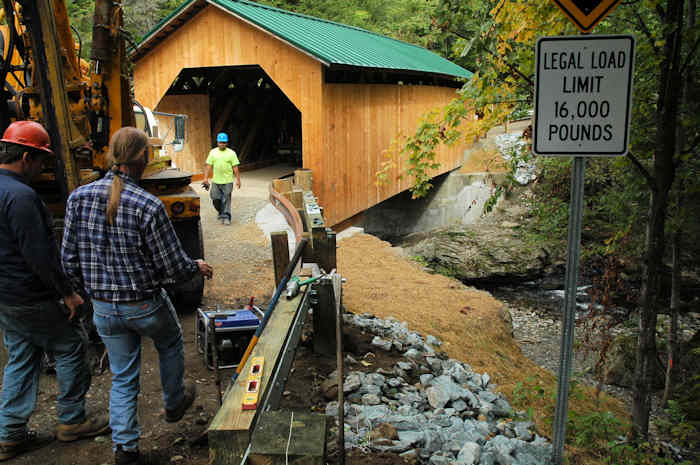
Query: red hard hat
{"x": 28, "y": 134}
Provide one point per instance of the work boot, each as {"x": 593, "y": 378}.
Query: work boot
{"x": 95, "y": 426}
{"x": 126, "y": 457}
{"x": 32, "y": 440}
{"x": 175, "y": 415}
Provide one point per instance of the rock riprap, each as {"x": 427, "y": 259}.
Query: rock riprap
{"x": 451, "y": 415}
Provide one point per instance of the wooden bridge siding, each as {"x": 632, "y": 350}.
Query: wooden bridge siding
{"x": 363, "y": 120}
{"x": 216, "y": 38}
{"x": 196, "y": 107}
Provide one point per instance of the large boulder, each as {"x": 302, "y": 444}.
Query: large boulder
{"x": 485, "y": 253}
{"x": 621, "y": 358}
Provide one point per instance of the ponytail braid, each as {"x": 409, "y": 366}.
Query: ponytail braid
{"x": 125, "y": 147}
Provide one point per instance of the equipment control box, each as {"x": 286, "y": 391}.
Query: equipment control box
{"x": 233, "y": 331}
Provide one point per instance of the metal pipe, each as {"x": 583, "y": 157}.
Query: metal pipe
{"x": 215, "y": 355}
{"x": 102, "y": 46}
{"x": 245, "y": 454}
{"x": 567, "y": 325}
{"x": 341, "y": 400}
{"x": 162, "y": 113}
{"x": 283, "y": 283}
{"x": 7, "y": 61}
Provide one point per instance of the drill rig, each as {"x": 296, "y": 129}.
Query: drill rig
{"x": 81, "y": 105}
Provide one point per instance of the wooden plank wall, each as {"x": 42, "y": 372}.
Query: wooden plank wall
{"x": 363, "y": 121}
{"x": 196, "y": 148}
{"x": 216, "y": 38}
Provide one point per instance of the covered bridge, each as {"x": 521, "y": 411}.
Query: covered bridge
{"x": 287, "y": 87}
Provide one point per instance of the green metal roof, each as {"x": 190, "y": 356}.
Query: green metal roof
{"x": 329, "y": 42}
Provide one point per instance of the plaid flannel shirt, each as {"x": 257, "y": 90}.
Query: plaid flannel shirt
{"x": 127, "y": 261}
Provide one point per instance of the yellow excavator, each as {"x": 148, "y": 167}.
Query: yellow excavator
{"x": 82, "y": 104}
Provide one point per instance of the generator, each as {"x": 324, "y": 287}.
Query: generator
{"x": 233, "y": 330}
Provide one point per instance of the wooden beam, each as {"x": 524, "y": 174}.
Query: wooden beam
{"x": 268, "y": 142}
{"x": 260, "y": 119}
{"x": 303, "y": 179}
{"x": 225, "y": 113}
{"x": 305, "y": 432}
{"x": 324, "y": 318}
{"x": 280, "y": 254}
{"x": 229, "y": 432}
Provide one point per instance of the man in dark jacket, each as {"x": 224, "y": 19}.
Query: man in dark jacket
{"x": 31, "y": 317}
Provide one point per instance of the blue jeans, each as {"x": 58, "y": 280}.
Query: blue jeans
{"x": 222, "y": 193}
{"x": 121, "y": 326}
{"x": 28, "y": 330}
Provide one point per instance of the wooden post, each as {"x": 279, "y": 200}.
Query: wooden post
{"x": 282, "y": 186}
{"x": 324, "y": 318}
{"x": 313, "y": 221}
{"x": 308, "y": 255}
{"x": 277, "y": 185}
{"x": 332, "y": 250}
{"x": 297, "y": 197}
{"x": 320, "y": 244}
{"x": 300, "y": 211}
{"x": 280, "y": 254}
{"x": 337, "y": 290}
{"x": 303, "y": 179}
{"x": 324, "y": 248}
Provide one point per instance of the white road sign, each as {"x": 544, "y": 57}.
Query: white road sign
{"x": 583, "y": 95}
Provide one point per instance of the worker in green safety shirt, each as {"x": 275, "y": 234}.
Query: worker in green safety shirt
{"x": 221, "y": 165}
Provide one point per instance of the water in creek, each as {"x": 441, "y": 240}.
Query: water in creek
{"x": 543, "y": 297}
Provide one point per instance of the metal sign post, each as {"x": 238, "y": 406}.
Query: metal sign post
{"x": 567, "y": 325}
{"x": 583, "y": 100}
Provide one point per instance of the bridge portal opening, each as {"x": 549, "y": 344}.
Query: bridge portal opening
{"x": 263, "y": 125}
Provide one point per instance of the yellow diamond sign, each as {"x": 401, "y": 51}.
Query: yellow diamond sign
{"x": 585, "y": 14}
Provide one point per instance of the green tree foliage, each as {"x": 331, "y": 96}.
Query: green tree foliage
{"x": 407, "y": 20}
{"x": 139, "y": 18}
{"x": 80, "y": 13}
{"x": 632, "y": 203}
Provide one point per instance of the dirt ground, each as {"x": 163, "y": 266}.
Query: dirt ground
{"x": 379, "y": 281}
{"x": 242, "y": 262}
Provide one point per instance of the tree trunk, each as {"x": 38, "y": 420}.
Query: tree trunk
{"x": 674, "y": 358}
{"x": 674, "y": 353}
{"x": 664, "y": 171}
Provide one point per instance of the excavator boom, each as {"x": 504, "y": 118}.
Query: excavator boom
{"x": 81, "y": 105}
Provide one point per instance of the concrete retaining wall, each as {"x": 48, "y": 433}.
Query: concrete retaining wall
{"x": 455, "y": 198}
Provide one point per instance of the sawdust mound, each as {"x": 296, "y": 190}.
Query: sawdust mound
{"x": 474, "y": 326}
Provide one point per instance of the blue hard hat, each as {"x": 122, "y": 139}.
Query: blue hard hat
{"x": 222, "y": 137}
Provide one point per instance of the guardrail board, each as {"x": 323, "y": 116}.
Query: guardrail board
{"x": 229, "y": 433}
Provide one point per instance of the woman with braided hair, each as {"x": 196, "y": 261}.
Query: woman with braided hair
{"x": 120, "y": 245}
